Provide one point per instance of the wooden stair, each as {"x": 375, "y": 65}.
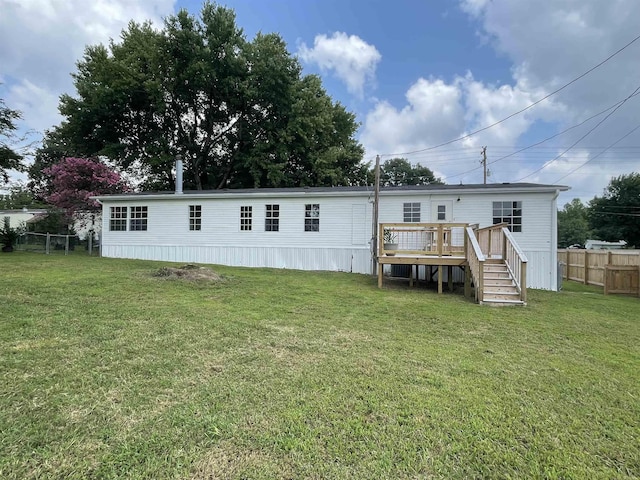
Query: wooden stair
{"x": 499, "y": 287}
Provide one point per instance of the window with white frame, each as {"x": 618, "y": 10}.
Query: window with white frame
{"x": 312, "y": 217}
{"x": 195, "y": 217}
{"x": 138, "y": 220}
{"x": 442, "y": 212}
{"x": 411, "y": 212}
{"x": 509, "y": 213}
{"x": 118, "y": 219}
{"x": 272, "y": 218}
{"x": 246, "y": 217}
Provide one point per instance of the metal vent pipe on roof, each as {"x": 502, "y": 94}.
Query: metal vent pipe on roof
{"x": 178, "y": 174}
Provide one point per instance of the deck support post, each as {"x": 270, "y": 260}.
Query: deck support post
{"x": 380, "y": 270}
{"x": 450, "y": 279}
{"x": 439, "y": 278}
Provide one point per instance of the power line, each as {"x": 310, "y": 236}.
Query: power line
{"x": 555, "y": 147}
{"x": 582, "y": 138}
{"x": 615, "y": 105}
{"x": 617, "y": 207}
{"x": 534, "y": 149}
{"x": 591, "y": 159}
{"x": 522, "y": 110}
{"x": 508, "y": 147}
{"x": 616, "y": 213}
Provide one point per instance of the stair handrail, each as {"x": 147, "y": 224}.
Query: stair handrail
{"x": 476, "y": 260}
{"x": 516, "y": 262}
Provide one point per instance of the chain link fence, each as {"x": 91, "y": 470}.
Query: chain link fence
{"x": 49, "y": 244}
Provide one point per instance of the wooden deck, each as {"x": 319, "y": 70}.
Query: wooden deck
{"x": 438, "y": 244}
{"x": 457, "y": 245}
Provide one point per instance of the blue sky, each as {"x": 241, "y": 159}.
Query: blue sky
{"x": 416, "y": 73}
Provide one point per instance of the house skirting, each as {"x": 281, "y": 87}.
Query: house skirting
{"x": 348, "y": 259}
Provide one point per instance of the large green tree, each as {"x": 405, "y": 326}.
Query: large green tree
{"x": 239, "y": 112}
{"x": 9, "y": 158}
{"x": 616, "y": 215}
{"x": 399, "y": 171}
{"x": 19, "y": 196}
{"x": 55, "y": 146}
{"x": 573, "y": 224}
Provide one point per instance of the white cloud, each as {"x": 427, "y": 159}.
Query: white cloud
{"x": 433, "y": 112}
{"x": 548, "y": 47}
{"x": 40, "y": 41}
{"x": 437, "y": 112}
{"x": 353, "y": 60}
{"x": 489, "y": 104}
{"x": 551, "y": 46}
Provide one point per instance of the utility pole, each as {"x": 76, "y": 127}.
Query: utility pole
{"x": 374, "y": 217}
{"x": 484, "y": 163}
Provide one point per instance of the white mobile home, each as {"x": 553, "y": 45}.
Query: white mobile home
{"x": 324, "y": 228}
{"x": 603, "y": 245}
{"x": 19, "y": 218}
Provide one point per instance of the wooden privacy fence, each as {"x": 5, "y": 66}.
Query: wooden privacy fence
{"x": 618, "y": 271}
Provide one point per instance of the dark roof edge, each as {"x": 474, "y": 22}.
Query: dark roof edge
{"x": 355, "y": 190}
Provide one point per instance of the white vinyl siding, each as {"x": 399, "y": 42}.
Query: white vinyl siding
{"x": 342, "y": 244}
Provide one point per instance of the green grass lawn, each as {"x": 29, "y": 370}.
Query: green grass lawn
{"x": 109, "y": 372}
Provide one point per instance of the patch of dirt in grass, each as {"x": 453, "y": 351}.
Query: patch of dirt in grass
{"x": 188, "y": 272}
{"x": 231, "y": 461}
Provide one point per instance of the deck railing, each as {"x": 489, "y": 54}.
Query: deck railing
{"x": 491, "y": 240}
{"x": 437, "y": 239}
{"x": 457, "y": 240}
{"x": 516, "y": 262}
{"x": 476, "y": 260}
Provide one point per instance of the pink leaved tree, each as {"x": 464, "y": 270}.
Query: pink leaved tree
{"x": 73, "y": 181}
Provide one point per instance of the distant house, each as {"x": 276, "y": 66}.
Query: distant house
{"x": 19, "y": 218}
{"x": 602, "y": 245}
{"x": 320, "y": 228}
